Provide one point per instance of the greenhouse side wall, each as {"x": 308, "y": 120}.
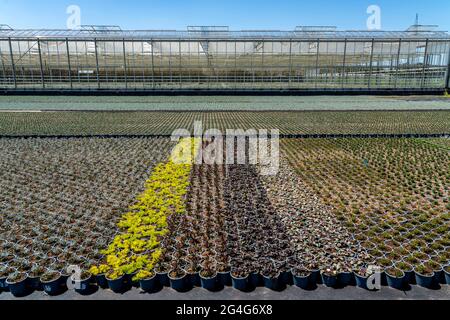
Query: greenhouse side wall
{"x": 225, "y": 65}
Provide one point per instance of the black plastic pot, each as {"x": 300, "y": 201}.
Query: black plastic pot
{"x": 383, "y": 278}
{"x": 273, "y": 283}
{"x": 425, "y": 281}
{"x": 224, "y": 279}
{"x": 34, "y": 283}
{"x": 286, "y": 278}
{"x": 194, "y": 279}
{"x": 439, "y": 277}
{"x": 18, "y": 289}
{"x": 83, "y": 286}
{"x": 179, "y": 284}
{"x": 410, "y": 277}
{"x": 255, "y": 280}
{"x": 117, "y": 285}
{"x": 361, "y": 281}
{"x": 3, "y": 285}
{"x": 396, "y": 282}
{"x": 63, "y": 281}
{"x": 163, "y": 279}
{"x": 53, "y": 287}
{"x": 209, "y": 284}
{"x": 447, "y": 277}
{"x": 129, "y": 280}
{"x": 329, "y": 280}
{"x": 240, "y": 284}
{"x": 150, "y": 285}
{"x": 315, "y": 277}
{"x": 101, "y": 281}
{"x": 303, "y": 282}
{"x": 346, "y": 279}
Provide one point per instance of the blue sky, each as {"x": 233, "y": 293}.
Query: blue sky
{"x": 238, "y": 14}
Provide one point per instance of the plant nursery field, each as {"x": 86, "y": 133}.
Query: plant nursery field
{"x": 128, "y": 212}
{"x": 221, "y": 103}
{"x": 164, "y": 123}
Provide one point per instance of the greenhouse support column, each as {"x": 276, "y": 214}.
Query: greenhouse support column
{"x": 40, "y": 64}
{"x": 290, "y": 63}
{"x": 69, "y": 64}
{"x": 371, "y": 63}
{"x": 344, "y": 62}
{"x": 153, "y": 65}
{"x": 12, "y": 63}
{"x": 235, "y": 67}
{"x": 317, "y": 62}
{"x": 181, "y": 62}
{"x": 125, "y": 64}
{"x": 425, "y": 64}
{"x": 96, "y": 63}
{"x": 397, "y": 71}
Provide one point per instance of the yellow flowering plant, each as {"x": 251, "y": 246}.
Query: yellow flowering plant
{"x": 137, "y": 249}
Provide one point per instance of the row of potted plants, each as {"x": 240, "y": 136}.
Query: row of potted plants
{"x": 319, "y": 239}
{"x": 134, "y": 252}
{"x": 390, "y": 194}
{"x": 54, "y": 283}
{"x": 60, "y": 198}
{"x": 289, "y": 122}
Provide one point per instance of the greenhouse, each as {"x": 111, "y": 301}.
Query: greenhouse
{"x": 106, "y": 58}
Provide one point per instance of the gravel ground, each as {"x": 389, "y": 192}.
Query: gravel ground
{"x": 220, "y": 103}
{"x": 292, "y": 293}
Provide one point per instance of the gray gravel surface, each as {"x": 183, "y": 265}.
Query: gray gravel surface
{"x": 292, "y": 293}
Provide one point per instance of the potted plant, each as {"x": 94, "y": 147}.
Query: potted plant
{"x": 5, "y": 271}
{"x": 193, "y": 273}
{"x": 99, "y": 274}
{"x": 439, "y": 276}
{"x": 239, "y": 278}
{"x": 302, "y": 278}
{"x": 17, "y": 284}
{"x": 408, "y": 270}
{"x": 34, "y": 277}
{"x": 255, "y": 279}
{"x": 83, "y": 285}
{"x": 362, "y": 277}
{"x": 116, "y": 280}
{"x": 162, "y": 274}
{"x": 329, "y": 277}
{"x": 447, "y": 274}
{"x": 346, "y": 278}
{"x": 424, "y": 276}
{"x": 271, "y": 279}
{"x": 395, "y": 278}
{"x": 208, "y": 277}
{"x": 148, "y": 281}
{"x": 178, "y": 281}
{"x": 223, "y": 274}
{"x": 51, "y": 282}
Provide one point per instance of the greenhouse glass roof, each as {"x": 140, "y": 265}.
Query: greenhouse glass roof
{"x": 195, "y": 33}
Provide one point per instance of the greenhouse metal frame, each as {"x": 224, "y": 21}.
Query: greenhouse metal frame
{"x": 216, "y": 59}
